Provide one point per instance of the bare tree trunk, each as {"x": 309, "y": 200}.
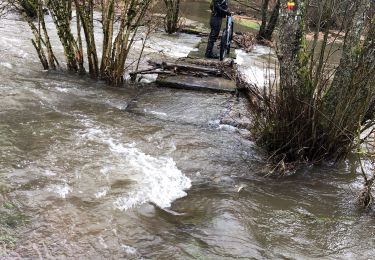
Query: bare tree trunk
{"x": 266, "y": 29}
{"x": 263, "y": 25}
{"x": 108, "y": 14}
{"x": 172, "y": 15}
{"x": 60, "y": 13}
{"x": 38, "y": 43}
{"x": 116, "y": 43}
{"x": 29, "y": 7}
{"x": 353, "y": 34}
{"x": 51, "y": 55}
{"x": 273, "y": 21}
{"x": 292, "y": 51}
{"x": 86, "y": 13}
{"x": 79, "y": 41}
{"x": 356, "y": 68}
{"x": 38, "y": 32}
{"x": 131, "y": 15}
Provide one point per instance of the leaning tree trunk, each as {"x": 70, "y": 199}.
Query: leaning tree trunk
{"x": 352, "y": 89}
{"x": 29, "y": 7}
{"x": 108, "y": 18}
{"x": 41, "y": 41}
{"x": 60, "y": 12}
{"x": 349, "y": 59}
{"x": 115, "y": 54}
{"x": 52, "y": 61}
{"x": 263, "y": 25}
{"x": 85, "y": 11}
{"x": 172, "y": 15}
{"x": 267, "y": 27}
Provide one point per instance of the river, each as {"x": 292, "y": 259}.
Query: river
{"x": 149, "y": 173}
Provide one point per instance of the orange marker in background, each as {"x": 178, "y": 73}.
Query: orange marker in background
{"x": 291, "y": 6}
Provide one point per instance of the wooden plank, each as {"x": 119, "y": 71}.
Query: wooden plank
{"x": 213, "y": 84}
{"x": 186, "y": 67}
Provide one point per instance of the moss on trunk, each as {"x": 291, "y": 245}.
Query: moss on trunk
{"x": 172, "y": 15}
{"x": 308, "y": 116}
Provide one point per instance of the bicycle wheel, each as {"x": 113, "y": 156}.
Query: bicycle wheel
{"x": 230, "y": 39}
{"x": 223, "y": 45}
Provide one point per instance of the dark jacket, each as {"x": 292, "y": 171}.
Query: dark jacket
{"x": 220, "y": 8}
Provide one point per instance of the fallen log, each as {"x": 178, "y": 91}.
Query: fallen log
{"x": 223, "y": 65}
{"x": 133, "y": 75}
{"x": 194, "y": 32}
{"x": 181, "y": 67}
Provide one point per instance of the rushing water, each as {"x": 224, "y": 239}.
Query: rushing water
{"x": 145, "y": 172}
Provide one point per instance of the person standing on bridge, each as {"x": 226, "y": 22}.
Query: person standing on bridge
{"x": 219, "y": 10}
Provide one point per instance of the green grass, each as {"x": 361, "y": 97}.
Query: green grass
{"x": 247, "y": 23}
{"x": 10, "y": 220}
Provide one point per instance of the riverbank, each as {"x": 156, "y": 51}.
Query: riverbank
{"x": 86, "y": 164}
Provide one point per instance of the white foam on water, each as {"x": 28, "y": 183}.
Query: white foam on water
{"x": 214, "y": 123}
{"x": 254, "y": 68}
{"x": 176, "y": 46}
{"x": 7, "y": 65}
{"x": 63, "y": 90}
{"x": 102, "y": 242}
{"x": 92, "y": 133}
{"x": 129, "y": 250}
{"x": 61, "y": 190}
{"x": 148, "y": 78}
{"x": 158, "y": 178}
{"x": 155, "y": 113}
{"x": 105, "y": 170}
{"x": 228, "y": 128}
{"x": 262, "y": 50}
{"x": 240, "y": 56}
{"x": 49, "y": 173}
{"x": 102, "y": 192}
{"x": 161, "y": 183}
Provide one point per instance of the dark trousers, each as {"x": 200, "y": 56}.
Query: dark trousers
{"x": 215, "y": 24}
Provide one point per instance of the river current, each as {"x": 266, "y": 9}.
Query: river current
{"x": 149, "y": 173}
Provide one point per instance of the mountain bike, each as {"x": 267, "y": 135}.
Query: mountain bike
{"x": 226, "y": 38}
